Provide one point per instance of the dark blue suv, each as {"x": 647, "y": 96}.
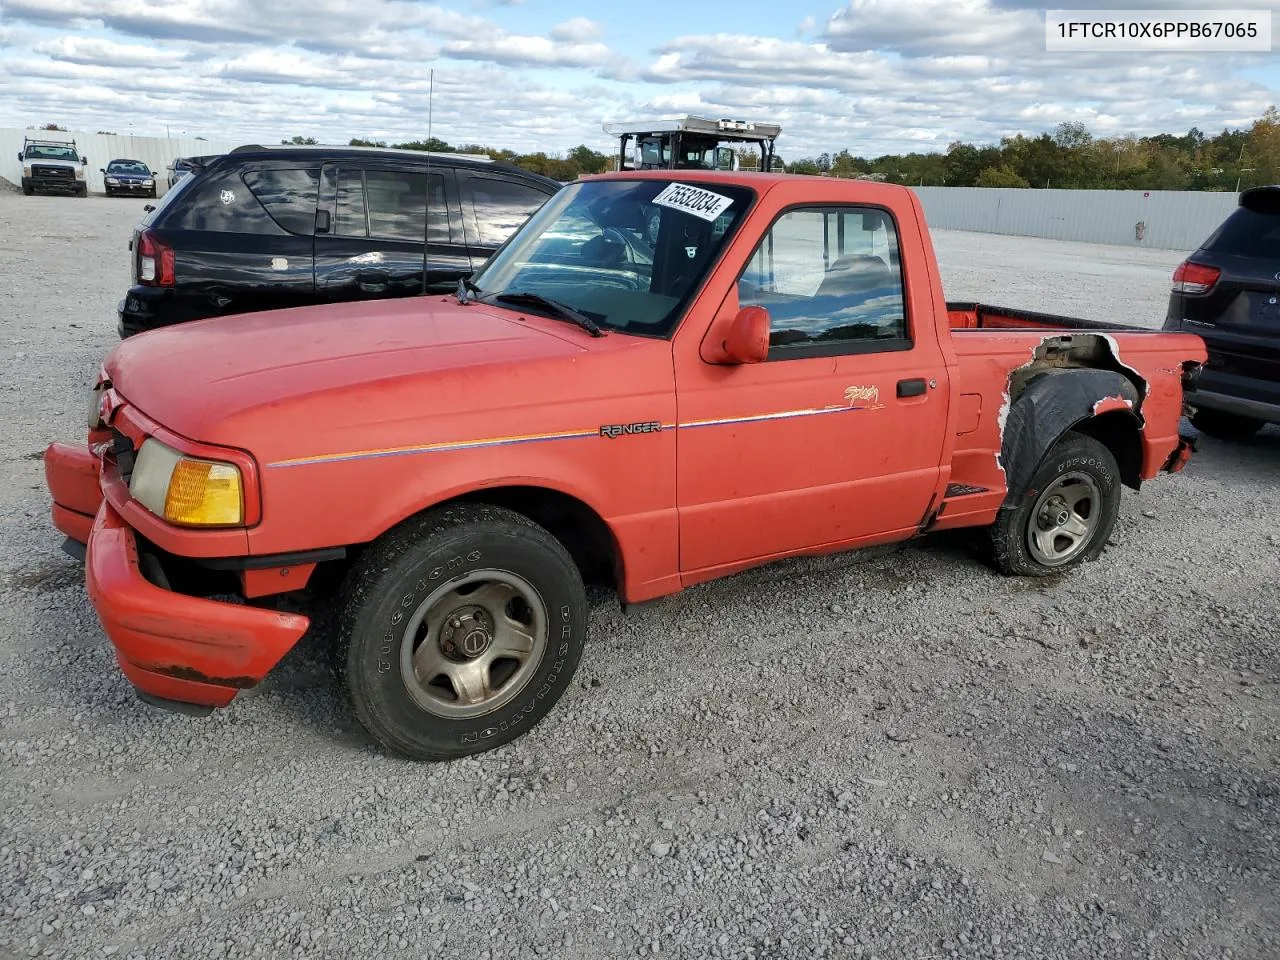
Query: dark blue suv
{"x": 1228, "y": 293}
{"x": 262, "y": 228}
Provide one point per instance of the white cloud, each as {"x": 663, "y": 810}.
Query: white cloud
{"x": 96, "y": 50}
{"x": 517, "y": 50}
{"x": 577, "y": 30}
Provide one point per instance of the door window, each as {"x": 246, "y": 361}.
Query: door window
{"x": 391, "y": 205}
{"x": 500, "y": 206}
{"x": 831, "y": 279}
{"x": 288, "y": 195}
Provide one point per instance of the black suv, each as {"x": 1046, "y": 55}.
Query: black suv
{"x": 261, "y": 228}
{"x": 1228, "y": 293}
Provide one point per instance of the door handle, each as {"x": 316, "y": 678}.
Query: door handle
{"x": 912, "y": 388}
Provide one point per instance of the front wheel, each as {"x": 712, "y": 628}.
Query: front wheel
{"x": 463, "y": 627}
{"x": 1065, "y": 515}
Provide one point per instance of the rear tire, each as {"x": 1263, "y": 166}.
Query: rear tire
{"x": 1225, "y": 426}
{"x": 460, "y": 629}
{"x": 1065, "y": 515}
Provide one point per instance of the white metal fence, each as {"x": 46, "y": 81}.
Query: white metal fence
{"x": 157, "y": 152}
{"x": 1162, "y": 219}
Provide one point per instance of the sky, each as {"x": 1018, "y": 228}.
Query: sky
{"x": 870, "y": 76}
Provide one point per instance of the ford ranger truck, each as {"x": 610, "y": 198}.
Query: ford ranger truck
{"x": 660, "y": 379}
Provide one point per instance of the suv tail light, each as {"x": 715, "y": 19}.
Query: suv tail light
{"x": 1194, "y": 278}
{"x": 155, "y": 261}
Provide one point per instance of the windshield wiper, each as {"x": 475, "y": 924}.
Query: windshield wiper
{"x": 561, "y": 310}
{"x": 465, "y": 286}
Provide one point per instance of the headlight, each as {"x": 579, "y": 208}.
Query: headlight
{"x": 26, "y": 169}
{"x": 79, "y": 173}
{"x": 148, "y": 183}
{"x": 187, "y": 491}
{"x": 112, "y": 180}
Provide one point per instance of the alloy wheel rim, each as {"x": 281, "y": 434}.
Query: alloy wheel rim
{"x": 1064, "y": 518}
{"x": 473, "y": 644}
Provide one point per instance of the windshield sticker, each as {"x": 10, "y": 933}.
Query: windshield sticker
{"x": 693, "y": 200}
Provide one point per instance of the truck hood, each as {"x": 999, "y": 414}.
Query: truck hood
{"x": 205, "y": 379}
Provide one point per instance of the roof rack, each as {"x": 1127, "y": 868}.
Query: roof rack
{"x": 724, "y": 128}
{"x": 395, "y": 151}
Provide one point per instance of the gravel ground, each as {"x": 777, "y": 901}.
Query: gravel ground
{"x": 894, "y": 755}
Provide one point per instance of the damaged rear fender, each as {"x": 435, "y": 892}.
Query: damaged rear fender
{"x": 1101, "y": 403}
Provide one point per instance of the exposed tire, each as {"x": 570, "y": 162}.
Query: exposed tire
{"x": 459, "y": 631}
{"x": 28, "y": 191}
{"x": 1065, "y": 515}
{"x": 1225, "y": 426}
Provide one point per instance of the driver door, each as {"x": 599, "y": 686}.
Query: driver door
{"x": 838, "y": 435}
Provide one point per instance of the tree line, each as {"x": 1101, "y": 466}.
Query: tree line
{"x": 1069, "y": 157}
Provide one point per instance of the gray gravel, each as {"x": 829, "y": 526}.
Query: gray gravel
{"x": 895, "y": 755}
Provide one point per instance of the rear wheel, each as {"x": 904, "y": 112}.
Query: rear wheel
{"x": 463, "y": 627}
{"x": 1225, "y": 426}
{"x": 1065, "y": 515}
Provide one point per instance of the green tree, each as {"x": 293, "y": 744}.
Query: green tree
{"x": 357, "y": 142}
{"x": 586, "y": 159}
{"x": 301, "y": 141}
{"x": 999, "y": 177}
{"x": 432, "y": 144}
{"x": 1263, "y": 147}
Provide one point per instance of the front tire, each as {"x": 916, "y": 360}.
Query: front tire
{"x": 1225, "y": 426}
{"x": 1065, "y": 515}
{"x": 462, "y": 628}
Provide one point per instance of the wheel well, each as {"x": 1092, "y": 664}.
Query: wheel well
{"x": 583, "y": 532}
{"x": 1118, "y": 432}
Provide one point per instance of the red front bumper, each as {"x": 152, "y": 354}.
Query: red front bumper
{"x": 71, "y": 473}
{"x": 170, "y": 645}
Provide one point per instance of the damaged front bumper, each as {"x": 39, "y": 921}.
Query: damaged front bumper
{"x": 175, "y": 647}
{"x": 179, "y": 651}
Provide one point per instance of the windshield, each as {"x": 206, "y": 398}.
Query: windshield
{"x": 127, "y": 166}
{"x": 626, "y": 253}
{"x": 52, "y": 153}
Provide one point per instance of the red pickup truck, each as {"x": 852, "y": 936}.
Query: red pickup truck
{"x": 660, "y": 379}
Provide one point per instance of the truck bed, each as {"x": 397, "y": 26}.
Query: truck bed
{"x": 965, "y": 315}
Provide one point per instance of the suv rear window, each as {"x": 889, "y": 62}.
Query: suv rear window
{"x": 1247, "y": 233}
{"x": 288, "y": 195}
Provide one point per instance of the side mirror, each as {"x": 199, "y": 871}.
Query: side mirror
{"x": 101, "y": 170}
{"x": 83, "y": 161}
{"x": 747, "y": 340}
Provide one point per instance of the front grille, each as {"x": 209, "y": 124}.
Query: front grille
{"x": 123, "y": 454}
{"x": 53, "y": 173}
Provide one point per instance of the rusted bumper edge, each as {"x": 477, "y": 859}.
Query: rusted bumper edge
{"x": 1187, "y": 437}
{"x": 71, "y": 474}
{"x": 173, "y": 647}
